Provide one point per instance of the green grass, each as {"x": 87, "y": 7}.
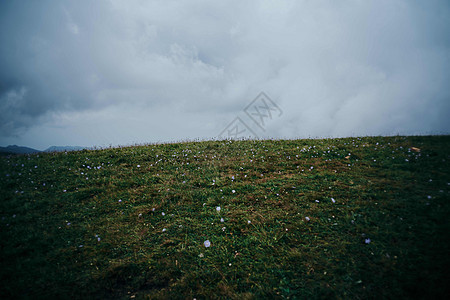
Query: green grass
{"x": 90, "y": 224}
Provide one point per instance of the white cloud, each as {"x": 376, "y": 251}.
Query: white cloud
{"x": 73, "y": 28}
{"x": 189, "y": 67}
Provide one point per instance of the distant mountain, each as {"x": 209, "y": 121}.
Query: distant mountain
{"x": 64, "y": 148}
{"x": 14, "y": 149}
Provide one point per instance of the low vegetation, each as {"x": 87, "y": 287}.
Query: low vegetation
{"x": 352, "y": 218}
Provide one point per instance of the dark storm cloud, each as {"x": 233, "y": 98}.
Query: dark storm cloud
{"x": 336, "y": 68}
{"x": 42, "y": 69}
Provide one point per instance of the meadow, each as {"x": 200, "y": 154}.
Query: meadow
{"x": 350, "y": 218}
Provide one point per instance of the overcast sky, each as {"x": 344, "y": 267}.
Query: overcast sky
{"x": 123, "y": 72}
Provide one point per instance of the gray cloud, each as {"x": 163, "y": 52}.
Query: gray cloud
{"x": 83, "y": 72}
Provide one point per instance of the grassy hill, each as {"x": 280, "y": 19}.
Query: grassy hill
{"x": 351, "y": 218}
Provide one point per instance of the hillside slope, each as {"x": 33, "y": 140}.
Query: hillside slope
{"x": 352, "y": 218}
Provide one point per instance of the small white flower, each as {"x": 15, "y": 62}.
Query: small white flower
{"x": 218, "y": 208}
{"x": 120, "y": 200}
{"x": 367, "y": 241}
{"x": 164, "y": 230}
{"x": 223, "y": 228}
{"x": 222, "y": 220}
{"x": 249, "y": 221}
{"x": 207, "y": 243}
{"x": 153, "y": 209}
{"x": 429, "y": 197}
{"x": 138, "y": 166}
{"x": 201, "y": 255}
{"x": 307, "y": 218}
{"x": 317, "y": 201}
{"x": 233, "y": 191}
{"x": 163, "y": 214}
{"x": 332, "y": 200}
